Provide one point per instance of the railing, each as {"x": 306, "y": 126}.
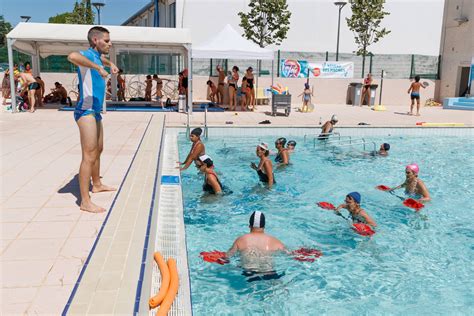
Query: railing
{"x": 358, "y": 142}
{"x": 322, "y": 134}
{"x": 206, "y": 132}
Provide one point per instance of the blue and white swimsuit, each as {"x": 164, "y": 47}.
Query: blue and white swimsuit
{"x": 91, "y": 88}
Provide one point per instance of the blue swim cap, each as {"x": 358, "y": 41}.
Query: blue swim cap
{"x": 386, "y": 146}
{"x": 355, "y": 196}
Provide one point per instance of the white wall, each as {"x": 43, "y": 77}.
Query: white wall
{"x": 457, "y": 46}
{"x": 415, "y": 24}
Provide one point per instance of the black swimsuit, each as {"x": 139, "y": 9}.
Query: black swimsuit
{"x": 264, "y": 177}
{"x": 208, "y": 188}
{"x": 250, "y": 83}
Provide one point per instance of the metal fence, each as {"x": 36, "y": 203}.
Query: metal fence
{"x": 396, "y": 66}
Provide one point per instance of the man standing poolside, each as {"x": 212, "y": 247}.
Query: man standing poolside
{"x": 91, "y": 75}
{"x": 255, "y": 250}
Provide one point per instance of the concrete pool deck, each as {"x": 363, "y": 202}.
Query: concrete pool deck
{"x": 45, "y": 239}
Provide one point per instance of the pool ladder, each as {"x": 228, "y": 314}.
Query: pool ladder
{"x": 350, "y": 142}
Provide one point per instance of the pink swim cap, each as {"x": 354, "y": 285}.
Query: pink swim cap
{"x": 413, "y": 167}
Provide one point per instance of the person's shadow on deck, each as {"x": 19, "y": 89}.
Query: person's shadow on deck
{"x": 72, "y": 187}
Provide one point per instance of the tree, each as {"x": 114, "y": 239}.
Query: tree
{"x": 267, "y": 22}
{"x": 365, "y": 24}
{"x": 81, "y": 14}
{"x": 60, "y": 18}
{"x": 5, "y": 27}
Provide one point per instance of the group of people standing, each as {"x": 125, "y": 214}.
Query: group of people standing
{"x": 243, "y": 95}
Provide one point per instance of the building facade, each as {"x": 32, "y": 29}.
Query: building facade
{"x": 456, "y": 47}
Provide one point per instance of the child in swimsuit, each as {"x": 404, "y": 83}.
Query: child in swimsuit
{"x": 307, "y": 93}
{"x": 415, "y": 94}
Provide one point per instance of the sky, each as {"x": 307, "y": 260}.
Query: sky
{"x": 115, "y": 12}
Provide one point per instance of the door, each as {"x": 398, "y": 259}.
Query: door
{"x": 463, "y": 81}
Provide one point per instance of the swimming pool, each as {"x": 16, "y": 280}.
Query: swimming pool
{"x": 417, "y": 263}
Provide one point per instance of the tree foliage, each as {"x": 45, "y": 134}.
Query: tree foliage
{"x": 365, "y": 24}
{"x": 5, "y": 27}
{"x": 81, "y": 14}
{"x": 267, "y": 22}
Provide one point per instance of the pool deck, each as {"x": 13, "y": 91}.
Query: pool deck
{"x": 46, "y": 239}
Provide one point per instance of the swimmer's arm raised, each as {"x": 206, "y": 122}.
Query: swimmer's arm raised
{"x": 113, "y": 69}
{"x": 80, "y": 60}
{"x": 193, "y": 155}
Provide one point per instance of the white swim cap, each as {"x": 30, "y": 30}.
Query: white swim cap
{"x": 334, "y": 118}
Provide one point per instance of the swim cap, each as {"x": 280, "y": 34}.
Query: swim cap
{"x": 291, "y": 143}
{"x": 355, "y": 196}
{"x": 207, "y": 160}
{"x": 197, "y": 131}
{"x": 413, "y": 167}
{"x": 306, "y": 86}
{"x": 263, "y": 146}
{"x": 386, "y": 146}
{"x": 281, "y": 140}
{"x": 334, "y": 118}
{"x": 257, "y": 220}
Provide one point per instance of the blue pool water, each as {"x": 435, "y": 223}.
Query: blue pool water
{"x": 416, "y": 264}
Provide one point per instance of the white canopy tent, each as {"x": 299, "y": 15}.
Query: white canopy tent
{"x": 228, "y": 44}
{"x": 44, "y": 39}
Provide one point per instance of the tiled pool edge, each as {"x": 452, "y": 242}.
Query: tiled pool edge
{"x": 110, "y": 279}
{"x": 170, "y": 239}
{"x": 256, "y": 131}
{"x": 81, "y": 274}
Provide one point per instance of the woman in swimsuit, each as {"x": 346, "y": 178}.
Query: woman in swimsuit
{"x": 251, "y": 91}
{"x": 414, "y": 185}
{"x": 244, "y": 94}
{"x": 211, "y": 184}
{"x": 233, "y": 80}
{"x": 290, "y": 146}
{"x": 366, "y": 90}
{"x": 283, "y": 157}
{"x": 198, "y": 149}
{"x": 264, "y": 168}
{"x": 358, "y": 215}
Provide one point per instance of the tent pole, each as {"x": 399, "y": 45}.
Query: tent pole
{"x": 113, "y": 79}
{"x": 273, "y": 72}
{"x": 190, "y": 79}
{"x": 256, "y": 80}
{"x": 10, "y": 42}
{"x": 35, "y": 59}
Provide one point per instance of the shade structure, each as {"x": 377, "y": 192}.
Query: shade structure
{"x": 228, "y": 44}
{"x": 61, "y": 39}
{"x": 45, "y": 39}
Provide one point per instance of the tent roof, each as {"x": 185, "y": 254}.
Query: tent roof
{"x": 228, "y": 44}
{"x": 61, "y": 39}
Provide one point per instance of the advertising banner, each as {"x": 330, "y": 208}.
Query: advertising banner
{"x": 290, "y": 68}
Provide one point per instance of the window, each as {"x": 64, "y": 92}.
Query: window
{"x": 172, "y": 14}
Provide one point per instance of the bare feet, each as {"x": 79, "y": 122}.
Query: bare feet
{"x": 91, "y": 207}
{"x": 102, "y": 188}
{"x": 417, "y": 114}
{"x": 410, "y": 113}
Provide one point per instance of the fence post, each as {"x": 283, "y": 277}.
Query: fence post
{"x": 278, "y": 64}
{"x": 412, "y": 66}
{"x": 370, "y": 62}
{"x": 327, "y": 55}
{"x": 210, "y": 69}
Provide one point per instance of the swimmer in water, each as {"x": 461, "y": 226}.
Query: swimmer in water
{"x": 414, "y": 185}
{"x": 265, "y": 167}
{"x": 197, "y": 149}
{"x": 384, "y": 148}
{"x": 211, "y": 184}
{"x": 290, "y": 146}
{"x": 328, "y": 127}
{"x": 358, "y": 215}
{"x": 256, "y": 249}
{"x": 282, "y": 158}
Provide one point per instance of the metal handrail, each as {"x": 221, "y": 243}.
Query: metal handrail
{"x": 187, "y": 125}
{"x": 328, "y": 134}
{"x": 346, "y": 139}
{"x": 361, "y": 141}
